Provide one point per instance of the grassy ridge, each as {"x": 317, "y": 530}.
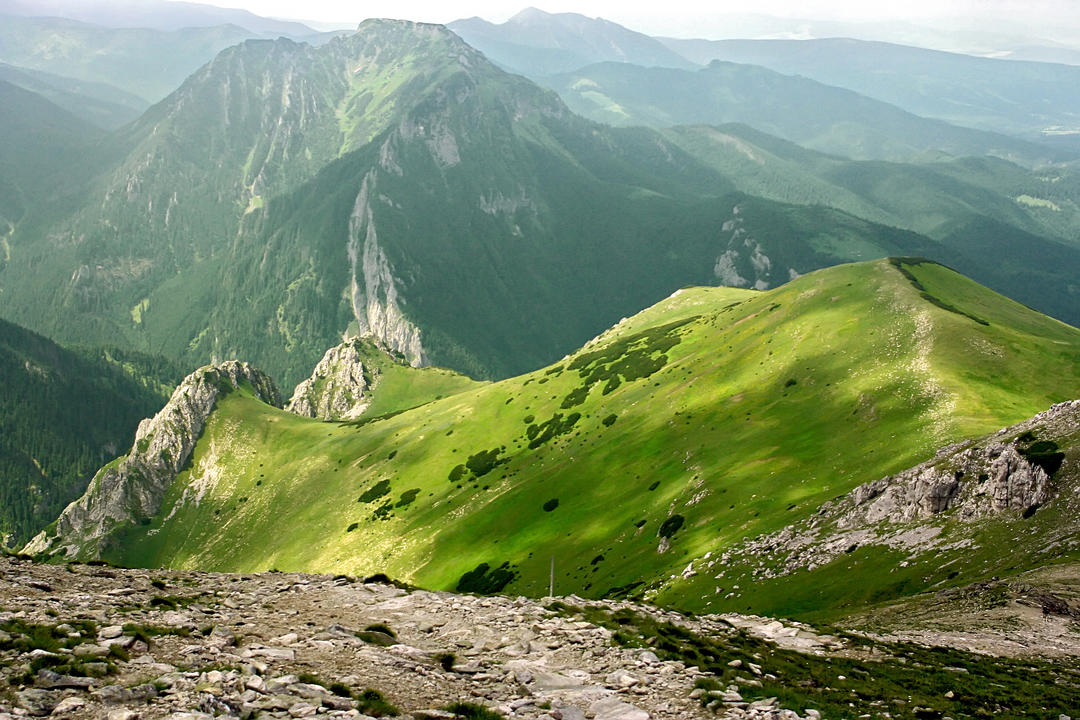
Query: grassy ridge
{"x": 715, "y": 415}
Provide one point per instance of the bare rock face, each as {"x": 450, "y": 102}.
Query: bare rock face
{"x": 1009, "y": 474}
{"x": 133, "y": 487}
{"x": 976, "y": 482}
{"x": 338, "y": 389}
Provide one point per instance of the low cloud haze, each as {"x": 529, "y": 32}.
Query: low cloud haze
{"x": 1045, "y": 21}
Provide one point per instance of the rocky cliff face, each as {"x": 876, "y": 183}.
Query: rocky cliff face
{"x": 133, "y": 487}
{"x": 1009, "y": 475}
{"x": 339, "y": 388}
{"x": 374, "y": 289}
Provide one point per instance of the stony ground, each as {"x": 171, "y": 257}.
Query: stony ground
{"x": 1035, "y": 614}
{"x": 87, "y": 641}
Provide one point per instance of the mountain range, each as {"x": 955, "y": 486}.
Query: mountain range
{"x": 286, "y": 194}
{"x": 708, "y": 420}
{"x": 1022, "y": 98}
{"x": 799, "y": 422}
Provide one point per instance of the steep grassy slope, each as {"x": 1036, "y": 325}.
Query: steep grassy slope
{"x": 716, "y": 415}
{"x": 819, "y": 116}
{"x": 63, "y": 413}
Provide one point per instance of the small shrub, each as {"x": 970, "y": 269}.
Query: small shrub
{"x": 375, "y": 492}
{"x": 381, "y": 627}
{"x": 483, "y": 462}
{"x": 407, "y": 498}
{"x": 447, "y": 661}
{"x": 371, "y": 702}
{"x": 671, "y": 526}
{"x": 375, "y": 637}
{"x": 352, "y": 527}
{"x": 610, "y": 420}
{"x": 551, "y": 504}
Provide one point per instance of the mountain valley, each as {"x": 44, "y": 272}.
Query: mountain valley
{"x": 542, "y": 369}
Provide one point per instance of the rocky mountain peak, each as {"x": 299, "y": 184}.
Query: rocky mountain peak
{"x": 339, "y": 388}
{"x": 133, "y": 487}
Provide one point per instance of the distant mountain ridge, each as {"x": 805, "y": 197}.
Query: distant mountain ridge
{"x": 395, "y": 183}
{"x": 818, "y": 116}
{"x": 534, "y": 42}
{"x": 1000, "y": 95}
{"x": 152, "y": 14}
{"x": 279, "y": 191}
{"x": 102, "y": 105}
{"x": 146, "y": 62}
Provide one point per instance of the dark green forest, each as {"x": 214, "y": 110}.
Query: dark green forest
{"x": 64, "y": 413}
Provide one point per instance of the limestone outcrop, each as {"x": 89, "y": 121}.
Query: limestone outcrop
{"x": 133, "y": 487}
{"x": 339, "y": 388}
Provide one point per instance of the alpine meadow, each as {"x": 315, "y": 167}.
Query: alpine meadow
{"x": 538, "y": 366}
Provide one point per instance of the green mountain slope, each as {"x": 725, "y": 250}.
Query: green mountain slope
{"x": 536, "y": 43}
{"x": 42, "y": 150}
{"x": 716, "y": 415}
{"x": 1014, "y": 229}
{"x": 1019, "y": 98}
{"x": 818, "y": 116}
{"x": 394, "y": 181}
{"x": 62, "y": 413}
{"x": 99, "y": 104}
{"x": 146, "y": 63}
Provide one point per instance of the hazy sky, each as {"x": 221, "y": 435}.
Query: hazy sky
{"x": 684, "y": 15}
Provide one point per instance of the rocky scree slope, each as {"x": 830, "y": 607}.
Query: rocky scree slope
{"x": 755, "y": 408}
{"x": 133, "y": 487}
{"x": 90, "y": 641}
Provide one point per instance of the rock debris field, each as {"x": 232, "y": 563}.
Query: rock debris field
{"x": 92, "y": 641}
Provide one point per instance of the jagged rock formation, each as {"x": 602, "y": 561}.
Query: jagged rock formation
{"x": 339, "y": 388}
{"x": 1008, "y": 475}
{"x": 975, "y": 483}
{"x": 133, "y": 487}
